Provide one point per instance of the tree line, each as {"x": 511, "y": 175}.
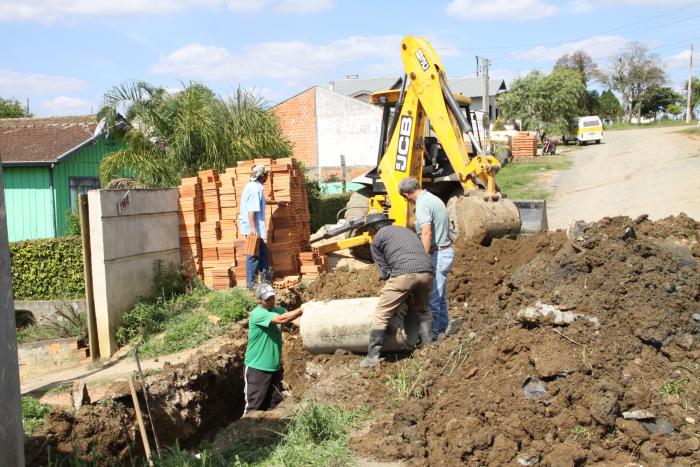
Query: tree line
{"x": 546, "y": 102}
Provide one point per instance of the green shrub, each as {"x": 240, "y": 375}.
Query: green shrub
{"x": 182, "y": 332}
{"x": 73, "y": 223}
{"x": 149, "y": 317}
{"x": 231, "y": 305}
{"x": 34, "y": 414}
{"x": 47, "y": 269}
{"x": 169, "y": 280}
{"x": 324, "y": 208}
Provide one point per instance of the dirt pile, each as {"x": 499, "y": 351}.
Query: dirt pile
{"x": 188, "y": 401}
{"x": 586, "y": 346}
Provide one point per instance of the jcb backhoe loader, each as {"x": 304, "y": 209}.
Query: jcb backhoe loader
{"x": 422, "y": 136}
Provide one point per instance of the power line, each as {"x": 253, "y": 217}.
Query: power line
{"x": 651, "y": 18}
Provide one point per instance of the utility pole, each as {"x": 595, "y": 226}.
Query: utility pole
{"x": 690, "y": 86}
{"x": 11, "y": 433}
{"x": 485, "y": 75}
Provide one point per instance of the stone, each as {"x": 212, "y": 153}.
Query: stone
{"x": 658, "y": 425}
{"x": 528, "y": 458}
{"x": 638, "y": 415}
{"x": 534, "y": 388}
{"x": 314, "y": 370}
{"x": 684, "y": 446}
{"x": 690, "y": 420}
{"x": 79, "y": 395}
{"x": 542, "y": 313}
{"x": 685, "y": 342}
{"x": 696, "y": 316}
{"x": 633, "y": 430}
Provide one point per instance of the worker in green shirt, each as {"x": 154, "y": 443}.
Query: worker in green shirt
{"x": 263, "y": 355}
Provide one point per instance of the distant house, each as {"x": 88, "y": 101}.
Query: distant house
{"x": 362, "y": 89}
{"x": 324, "y": 125}
{"x": 46, "y": 162}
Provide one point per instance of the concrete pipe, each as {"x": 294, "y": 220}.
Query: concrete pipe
{"x": 345, "y": 324}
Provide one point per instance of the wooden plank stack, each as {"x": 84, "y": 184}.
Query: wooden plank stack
{"x": 211, "y": 242}
{"x": 524, "y": 145}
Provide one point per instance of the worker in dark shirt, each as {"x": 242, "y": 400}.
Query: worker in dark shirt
{"x": 407, "y": 269}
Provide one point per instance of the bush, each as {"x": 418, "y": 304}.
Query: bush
{"x": 498, "y": 125}
{"x": 182, "y": 332}
{"x": 73, "y": 223}
{"x": 149, "y": 317}
{"x": 324, "y": 208}
{"x": 34, "y": 414}
{"x": 47, "y": 269}
{"x": 232, "y": 305}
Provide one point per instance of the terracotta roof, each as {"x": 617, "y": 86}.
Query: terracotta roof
{"x": 42, "y": 140}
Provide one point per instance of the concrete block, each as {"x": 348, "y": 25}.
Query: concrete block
{"x": 113, "y": 203}
{"x": 136, "y": 235}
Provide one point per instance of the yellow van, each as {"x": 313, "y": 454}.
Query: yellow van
{"x": 584, "y": 130}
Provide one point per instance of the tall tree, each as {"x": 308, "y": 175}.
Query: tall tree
{"x": 543, "y": 103}
{"x": 12, "y": 108}
{"x": 657, "y": 100}
{"x": 608, "y": 106}
{"x": 633, "y": 73}
{"x": 172, "y": 135}
{"x": 588, "y": 69}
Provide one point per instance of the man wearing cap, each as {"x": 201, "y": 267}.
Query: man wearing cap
{"x": 433, "y": 226}
{"x": 407, "y": 269}
{"x": 252, "y": 222}
{"x": 263, "y": 355}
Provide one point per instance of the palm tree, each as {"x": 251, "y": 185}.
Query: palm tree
{"x": 172, "y": 135}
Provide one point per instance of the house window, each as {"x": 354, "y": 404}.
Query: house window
{"x": 80, "y": 185}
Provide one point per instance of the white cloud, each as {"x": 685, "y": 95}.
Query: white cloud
{"x": 584, "y": 6}
{"x": 680, "y": 60}
{"x": 514, "y": 10}
{"x": 51, "y": 10}
{"x": 20, "y": 85}
{"x": 247, "y": 6}
{"x": 303, "y": 6}
{"x": 63, "y": 105}
{"x": 596, "y": 47}
{"x": 290, "y": 61}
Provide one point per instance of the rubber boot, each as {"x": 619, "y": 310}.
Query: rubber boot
{"x": 425, "y": 331}
{"x": 376, "y": 341}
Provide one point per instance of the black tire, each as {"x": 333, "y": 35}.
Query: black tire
{"x": 357, "y": 208}
{"x": 597, "y": 141}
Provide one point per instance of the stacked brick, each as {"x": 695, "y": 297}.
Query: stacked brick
{"x": 524, "y": 145}
{"x": 211, "y": 243}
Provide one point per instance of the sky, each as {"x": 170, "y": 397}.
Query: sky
{"x": 63, "y": 55}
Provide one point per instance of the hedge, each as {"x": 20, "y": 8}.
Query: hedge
{"x": 324, "y": 209}
{"x": 47, "y": 269}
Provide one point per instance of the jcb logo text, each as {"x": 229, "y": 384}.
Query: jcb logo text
{"x": 404, "y": 143}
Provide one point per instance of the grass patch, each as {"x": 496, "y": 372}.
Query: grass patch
{"x": 34, "y": 414}
{"x": 167, "y": 325}
{"x": 406, "y": 381}
{"x": 634, "y": 126}
{"x": 672, "y": 388}
{"x": 68, "y": 322}
{"x": 521, "y": 179}
{"x": 316, "y": 436}
{"x": 581, "y": 432}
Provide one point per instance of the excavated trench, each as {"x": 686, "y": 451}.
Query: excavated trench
{"x": 189, "y": 402}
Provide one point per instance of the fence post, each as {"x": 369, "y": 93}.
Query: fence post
{"x": 87, "y": 273}
{"x": 342, "y": 172}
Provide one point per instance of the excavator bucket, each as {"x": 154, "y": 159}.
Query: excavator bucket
{"x": 533, "y": 215}
{"x": 478, "y": 217}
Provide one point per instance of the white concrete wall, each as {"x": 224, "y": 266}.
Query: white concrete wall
{"x": 346, "y": 126}
{"x": 129, "y": 231}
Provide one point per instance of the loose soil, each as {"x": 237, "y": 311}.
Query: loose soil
{"x": 629, "y": 288}
{"x": 642, "y": 290}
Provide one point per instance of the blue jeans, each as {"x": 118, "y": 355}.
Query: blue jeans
{"x": 442, "y": 263}
{"x": 257, "y": 266}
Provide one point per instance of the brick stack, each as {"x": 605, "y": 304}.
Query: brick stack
{"x": 190, "y": 215}
{"x": 210, "y": 236}
{"x": 524, "y": 145}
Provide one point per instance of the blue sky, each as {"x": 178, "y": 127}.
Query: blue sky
{"x": 63, "y": 55}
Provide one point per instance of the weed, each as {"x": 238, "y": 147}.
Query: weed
{"x": 406, "y": 381}
{"x": 672, "y": 388}
{"x": 34, "y": 414}
{"x": 180, "y": 333}
{"x": 168, "y": 280}
{"x": 455, "y": 359}
{"x": 581, "y": 432}
{"x": 231, "y": 305}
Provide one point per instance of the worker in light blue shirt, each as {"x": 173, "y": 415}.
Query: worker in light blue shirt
{"x": 252, "y": 223}
{"x": 433, "y": 227}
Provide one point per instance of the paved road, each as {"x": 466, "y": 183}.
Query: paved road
{"x": 647, "y": 171}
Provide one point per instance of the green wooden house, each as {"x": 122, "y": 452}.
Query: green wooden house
{"x": 46, "y": 163}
